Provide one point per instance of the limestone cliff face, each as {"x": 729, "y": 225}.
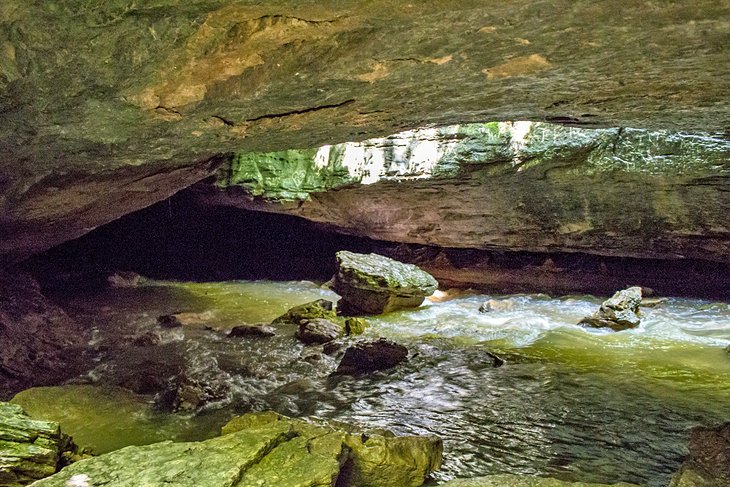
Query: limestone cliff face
{"x": 106, "y": 107}
{"x": 511, "y": 186}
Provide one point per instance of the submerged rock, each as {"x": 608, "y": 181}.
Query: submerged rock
{"x": 319, "y": 330}
{"x": 373, "y": 284}
{"x": 708, "y": 464}
{"x": 497, "y": 305}
{"x": 524, "y": 481}
{"x": 370, "y": 356}
{"x": 30, "y": 449}
{"x": 372, "y": 459}
{"x": 620, "y": 312}
{"x": 175, "y": 320}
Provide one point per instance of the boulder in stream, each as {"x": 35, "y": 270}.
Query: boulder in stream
{"x": 175, "y": 320}
{"x": 524, "y": 481}
{"x": 369, "y": 356}
{"x": 497, "y": 305}
{"x": 708, "y": 463}
{"x": 252, "y": 331}
{"x": 371, "y": 284}
{"x": 620, "y": 312}
{"x": 319, "y": 330}
{"x": 30, "y": 449}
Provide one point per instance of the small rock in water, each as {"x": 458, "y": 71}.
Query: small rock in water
{"x": 497, "y": 305}
{"x": 321, "y": 308}
{"x": 319, "y": 330}
{"x": 148, "y": 339}
{"x": 370, "y": 356}
{"x": 371, "y": 284}
{"x": 124, "y": 279}
{"x": 620, "y": 312}
{"x": 253, "y": 331}
{"x": 175, "y": 320}
{"x": 652, "y": 302}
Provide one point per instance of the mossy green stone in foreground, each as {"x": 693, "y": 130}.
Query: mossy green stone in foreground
{"x": 218, "y": 462}
{"x": 29, "y": 449}
{"x": 524, "y": 481}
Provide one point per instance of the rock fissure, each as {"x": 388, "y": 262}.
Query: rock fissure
{"x": 301, "y": 111}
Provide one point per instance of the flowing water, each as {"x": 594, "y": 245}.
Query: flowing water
{"x": 577, "y": 404}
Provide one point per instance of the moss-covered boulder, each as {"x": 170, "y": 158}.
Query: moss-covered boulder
{"x": 374, "y": 459}
{"x": 29, "y": 449}
{"x": 619, "y": 312}
{"x": 524, "y": 481}
{"x": 310, "y": 311}
{"x": 318, "y": 322}
{"x": 372, "y": 284}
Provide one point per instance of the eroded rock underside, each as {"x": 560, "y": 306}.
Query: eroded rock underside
{"x": 519, "y": 186}
{"x": 107, "y": 107}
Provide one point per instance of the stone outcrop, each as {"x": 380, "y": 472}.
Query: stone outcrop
{"x": 264, "y": 449}
{"x": 39, "y": 342}
{"x": 516, "y": 187}
{"x": 108, "y": 107}
{"x": 372, "y": 284}
{"x": 619, "y": 312}
{"x": 318, "y": 322}
{"x": 30, "y": 449}
{"x": 524, "y": 481}
{"x": 708, "y": 464}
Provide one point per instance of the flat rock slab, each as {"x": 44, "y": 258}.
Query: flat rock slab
{"x": 219, "y": 462}
{"x": 524, "y": 481}
{"x": 374, "y": 284}
{"x": 371, "y": 458}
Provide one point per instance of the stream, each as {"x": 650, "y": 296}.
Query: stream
{"x": 569, "y": 402}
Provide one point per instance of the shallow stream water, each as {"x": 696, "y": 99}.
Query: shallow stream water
{"x": 577, "y": 404}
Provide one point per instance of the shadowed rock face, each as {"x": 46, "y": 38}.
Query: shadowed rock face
{"x": 107, "y": 107}
{"x": 537, "y": 188}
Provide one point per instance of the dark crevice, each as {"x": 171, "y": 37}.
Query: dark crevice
{"x": 299, "y": 112}
{"x": 224, "y": 120}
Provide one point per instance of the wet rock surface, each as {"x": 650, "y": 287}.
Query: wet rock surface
{"x": 39, "y": 343}
{"x": 252, "y": 331}
{"x": 369, "y": 356}
{"x": 265, "y": 449}
{"x": 30, "y": 449}
{"x": 372, "y": 457}
{"x": 374, "y": 284}
{"x": 319, "y": 330}
{"x": 708, "y": 464}
{"x": 620, "y": 312}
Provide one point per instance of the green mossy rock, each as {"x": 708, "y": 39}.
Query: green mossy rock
{"x": 29, "y": 449}
{"x": 310, "y": 311}
{"x": 219, "y": 462}
{"x": 373, "y": 460}
{"x": 372, "y": 284}
{"x": 523, "y": 481}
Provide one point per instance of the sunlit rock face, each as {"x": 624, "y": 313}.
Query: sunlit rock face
{"x": 512, "y": 186}
{"x": 106, "y": 107}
